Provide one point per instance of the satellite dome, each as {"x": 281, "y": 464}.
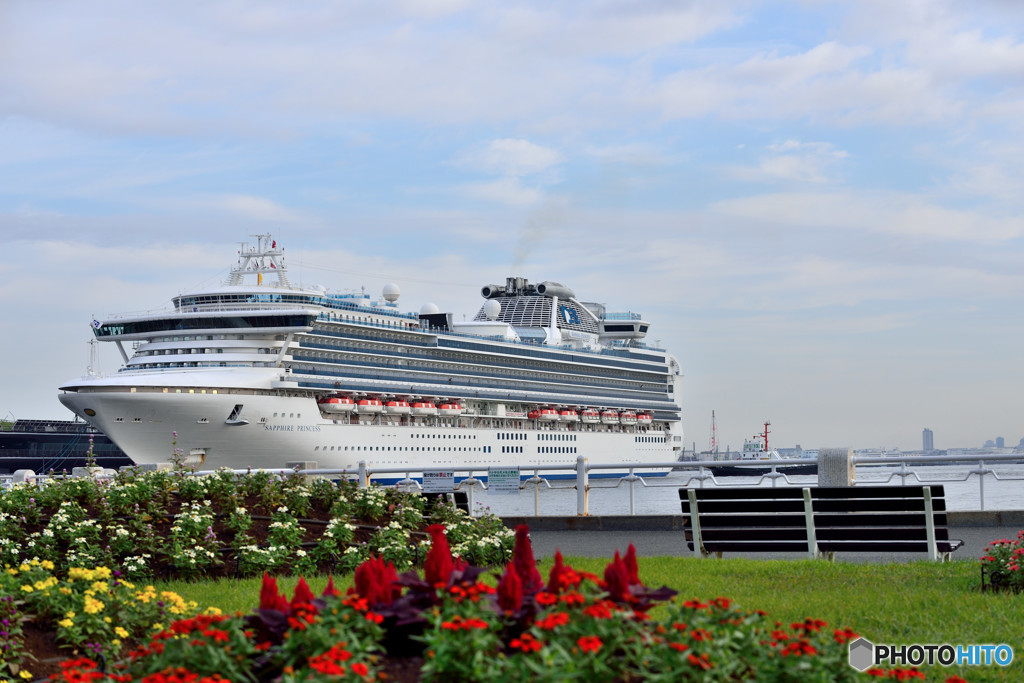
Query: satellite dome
{"x": 429, "y": 309}
{"x": 391, "y": 292}
{"x": 492, "y": 309}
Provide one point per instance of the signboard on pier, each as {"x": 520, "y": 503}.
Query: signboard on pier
{"x": 439, "y": 481}
{"x": 503, "y": 481}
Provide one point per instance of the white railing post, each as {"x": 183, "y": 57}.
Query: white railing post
{"x": 582, "y": 486}
{"x": 364, "y": 476}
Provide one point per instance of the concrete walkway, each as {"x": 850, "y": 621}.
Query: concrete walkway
{"x": 663, "y": 536}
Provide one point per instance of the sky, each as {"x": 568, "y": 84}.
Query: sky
{"x": 817, "y": 205}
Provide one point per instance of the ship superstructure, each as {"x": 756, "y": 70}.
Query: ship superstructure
{"x": 259, "y": 372}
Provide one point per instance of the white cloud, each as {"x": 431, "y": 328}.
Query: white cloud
{"x": 512, "y": 157}
{"x": 505, "y": 191}
{"x": 874, "y": 211}
{"x": 258, "y": 208}
{"x": 794, "y": 161}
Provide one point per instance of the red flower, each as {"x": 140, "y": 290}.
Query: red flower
{"x": 616, "y": 578}
{"x": 439, "y": 564}
{"x": 553, "y": 621}
{"x": 589, "y": 643}
{"x": 510, "y": 590}
{"x": 376, "y": 581}
{"x": 631, "y": 566}
{"x": 680, "y": 647}
{"x": 525, "y": 565}
{"x": 330, "y": 590}
{"x": 526, "y": 643}
{"x": 955, "y": 679}
{"x": 598, "y": 610}
{"x": 270, "y": 598}
{"x": 359, "y": 669}
{"x": 844, "y": 635}
{"x": 695, "y": 604}
{"x": 701, "y": 662}
{"x": 302, "y": 594}
{"x": 559, "y": 575}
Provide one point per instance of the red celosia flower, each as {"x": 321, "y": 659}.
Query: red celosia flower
{"x": 270, "y": 598}
{"x": 302, "y": 595}
{"x": 589, "y": 643}
{"x": 510, "y": 590}
{"x": 631, "y": 566}
{"x": 330, "y": 590}
{"x": 525, "y": 565}
{"x": 376, "y": 581}
{"x": 561, "y": 577}
{"x": 438, "y": 566}
{"x": 616, "y": 578}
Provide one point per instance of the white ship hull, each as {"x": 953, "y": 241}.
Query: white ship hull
{"x": 277, "y": 430}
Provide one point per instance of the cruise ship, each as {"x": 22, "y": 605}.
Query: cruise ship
{"x": 260, "y": 373}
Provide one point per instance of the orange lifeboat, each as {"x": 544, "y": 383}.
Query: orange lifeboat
{"x": 568, "y": 415}
{"x": 609, "y": 417}
{"x": 590, "y": 416}
{"x": 423, "y": 408}
{"x": 627, "y": 417}
{"x": 370, "y": 406}
{"x": 548, "y": 414}
{"x": 337, "y": 404}
{"x": 397, "y": 408}
{"x": 644, "y": 419}
{"x": 449, "y": 409}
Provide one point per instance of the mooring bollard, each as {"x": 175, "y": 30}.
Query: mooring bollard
{"x": 835, "y": 467}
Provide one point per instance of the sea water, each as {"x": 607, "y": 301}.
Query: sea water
{"x": 1003, "y": 490}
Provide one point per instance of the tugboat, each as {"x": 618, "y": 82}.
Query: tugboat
{"x": 756, "y": 449}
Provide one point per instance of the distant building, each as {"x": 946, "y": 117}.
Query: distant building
{"x": 1000, "y": 443}
{"x": 928, "y": 440}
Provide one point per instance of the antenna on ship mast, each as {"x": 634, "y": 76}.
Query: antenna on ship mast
{"x": 765, "y": 435}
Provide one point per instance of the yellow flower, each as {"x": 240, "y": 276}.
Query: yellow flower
{"x": 158, "y": 627}
{"x": 213, "y": 611}
{"x": 24, "y": 568}
{"x": 70, "y": 615}
{"x": 12, "y": 571}
{"x": 47, "y": 565}
{"x": 106, "y": 620}
{"x": 121, "y": 631}
{"x": 24, "y": 673}
{"x": 27, "y": 588}
{"x": 92, "y": 605}
{"x": 65, "y": 590}
{"x": 65, "y": 623}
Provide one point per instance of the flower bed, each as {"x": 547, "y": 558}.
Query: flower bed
{"x": 1002, "y": 565}
{"x": 167, "y": 525}
{"x": 448, "y": 624}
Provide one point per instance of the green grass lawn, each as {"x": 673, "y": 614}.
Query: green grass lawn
{"x": 920, "y": 602}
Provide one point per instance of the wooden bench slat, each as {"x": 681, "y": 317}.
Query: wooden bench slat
{"x": 819, "y": 519}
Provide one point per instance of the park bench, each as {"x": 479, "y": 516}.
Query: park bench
{"x": 819, "y": 521}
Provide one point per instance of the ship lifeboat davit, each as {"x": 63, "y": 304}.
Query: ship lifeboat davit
{"x": 590, "y": 416}
{"x": 449, "y": 410}
{"x": 609, "y": 417}
{"x": 548, "y": 415}
{"x": 370, "y": 406}
{"x": 627, "y": 417}
{"x": 337, "y": 404}
{"x": 644, "y": 419}
{"x": 568, "y": 415}
{"x": 397, "y": 408}
{"x": 423, "y": 408}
